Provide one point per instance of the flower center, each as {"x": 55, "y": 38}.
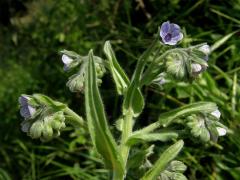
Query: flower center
{"x": 168, "y": 37}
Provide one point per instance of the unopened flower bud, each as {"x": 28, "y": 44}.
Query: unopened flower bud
{"x": 76, "y": 83}
{"x": 36, "y": 129}
{"x": 176, "y": 66}
{"x": 70, "y": 59}
{"x": 177, "y": 166}
{"x": 160, "y": 79}
{"x": 221, "y": 131}
{"x": 66, "y": 61}
{"x": 47, "y": 127}
{"x": 205, "y": 49}
{"x": 196, "y": 68}
{"x": 216, "y": 113}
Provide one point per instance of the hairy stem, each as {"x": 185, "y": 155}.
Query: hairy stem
{"x": 126, "y": 132}
{"x": 73, "y": 118}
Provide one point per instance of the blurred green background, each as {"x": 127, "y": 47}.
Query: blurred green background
{"x": 32, "y": 32}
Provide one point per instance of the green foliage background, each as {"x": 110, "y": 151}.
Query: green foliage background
{"x": 32, "y": 32}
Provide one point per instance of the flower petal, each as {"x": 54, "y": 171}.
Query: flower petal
{"x": 66, "y": 59}
{"x": 205, "y": 49}
{"x": 196, "y": 67}
{"x": 178, "y": 37}
{"x": 23, "y": 100}
{"x": 24, "y": 112}
{"x": 25, "y": 126}
{"x": 164, "y": 29}
{"x": 172, "y": 42}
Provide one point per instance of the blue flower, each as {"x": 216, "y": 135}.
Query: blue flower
{"x": 170, "y": 33}
{"x": 26, "y": 111}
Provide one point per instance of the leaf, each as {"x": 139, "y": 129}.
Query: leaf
{"x": 222, "y": 41}
{"x": 167, "y": 156}
{"x": 142, "y": 137}
{"x": 134, "y": 100}
{"x": 206, "y": 107}
{"x": 120, "y": 78}
{"x": 97, "y": 123}
{"x": 136, "y": 160}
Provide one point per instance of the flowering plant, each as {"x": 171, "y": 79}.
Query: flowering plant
{"x": 44, "y": 118}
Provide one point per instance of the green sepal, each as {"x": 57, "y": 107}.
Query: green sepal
{"x": 97, "y": 123}
{"x": 71, "y": 54}
{"x": 47, "y": 101}
{"x": 166, "y": 157}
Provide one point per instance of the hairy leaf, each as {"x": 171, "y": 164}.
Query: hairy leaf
{"x": 97, "y": 123}
{"x": 167, "y": 156}
{"x": 142, "y": 137}
{"x": 204, "y": 107}
{"x": 120, "y": 78}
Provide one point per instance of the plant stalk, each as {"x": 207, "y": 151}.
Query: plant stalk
{"x": 74, "y": 119}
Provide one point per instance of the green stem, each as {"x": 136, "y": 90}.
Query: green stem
{"x": 73, "y": 118}
{"x": 126, "y": 132}
{"x": 148, "y": 128}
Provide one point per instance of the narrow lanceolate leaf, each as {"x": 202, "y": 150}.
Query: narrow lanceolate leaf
{"x": 134, "y": 100}
{"x": 120, "y": 78}
{"x": 166, "y": 157}
{"x": 97, "y": 123}
{"x": 147, "y": 137}
{"x": 199, "y": 107}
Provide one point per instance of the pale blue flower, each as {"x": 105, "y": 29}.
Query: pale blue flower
{"x": 66, "y": 61}
{"x": 170, "y": 33}
{"x": 26, "y": 110}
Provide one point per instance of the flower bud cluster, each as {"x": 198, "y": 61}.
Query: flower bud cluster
{"x": 72, "y": 60}
{"x": 206, "y": 126}
{"x": 187, "y": 64}
{"x": 174, "y": 171}
{"x": 40, "y": 120}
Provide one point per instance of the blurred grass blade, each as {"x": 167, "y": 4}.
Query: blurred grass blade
{"x": 167, "y": 156}
{"x": 225, "y": 16}
{"x": 4, "y": 175}
{"x": 222, "y": 41}
{"x": 97, "y": 123}
{"x": 143, "y": 137}
{"x": 234, "y": 92}
{"x": 120, "y": 78}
